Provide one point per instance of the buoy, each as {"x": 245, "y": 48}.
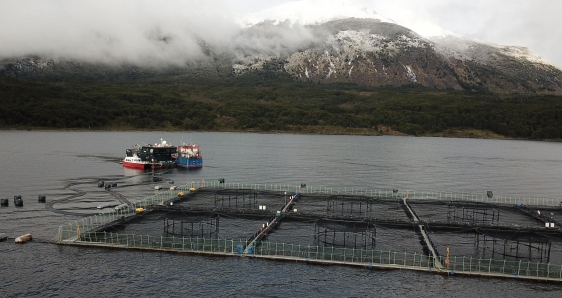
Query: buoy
{"x": 24, "y": 238}
{"x": 42, "y": 199}
{"x": 18, "y": 202}
{"x": 105, "y": 205}
{"x": 122, "y": 206}
{"x": 4, "y": 202}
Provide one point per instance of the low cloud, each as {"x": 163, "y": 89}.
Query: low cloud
{"x": 139, "y": 32}
{"x": 170, "y": 32}
{"x": 114, "y": 31}
{"x": 533, "y": 24}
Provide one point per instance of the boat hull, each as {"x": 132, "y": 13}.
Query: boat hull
{"x": 189, "y": 163}
{"x": 134, "y": 165}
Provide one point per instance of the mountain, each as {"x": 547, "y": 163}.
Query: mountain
{"x": 375, "y": 53}
{"x": 369, "y": 51}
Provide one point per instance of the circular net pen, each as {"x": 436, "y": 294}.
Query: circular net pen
{"x": 473, "y": 212}
{"x": 236, "y": 199}
{"x": 202, "y": 227}
{"x": 521, "y": 245}
{"x": 348, "y": 205}
{"x": 345, "y": 234}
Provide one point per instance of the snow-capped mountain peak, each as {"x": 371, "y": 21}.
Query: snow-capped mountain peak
{"x": 311, "y": 12}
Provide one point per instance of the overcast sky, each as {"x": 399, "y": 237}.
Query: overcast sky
{"x": 535, "y": 24}
{"x": 134, "y": 30}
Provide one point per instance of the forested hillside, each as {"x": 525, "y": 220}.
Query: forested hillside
{"x": 265, "y": 103}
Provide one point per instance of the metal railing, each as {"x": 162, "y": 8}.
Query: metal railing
{"x": 349, "y": 256}
{"x": 84, "y": 230}
{"x": 499, "y": 267}
{"x": 507, "y": 200}
{"x": 95, "y": 222}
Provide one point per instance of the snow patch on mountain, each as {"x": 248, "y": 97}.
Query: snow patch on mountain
{"x": 467, "y": 48}
{"x": 311, "y": 12}
{"x": 246, "y": 64}
{"x": 522, "y": 53}
{"x": 410, "y": 74}
{"x": 352, "y": 43}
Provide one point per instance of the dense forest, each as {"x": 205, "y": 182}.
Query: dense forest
{"x": 271, "y": 104}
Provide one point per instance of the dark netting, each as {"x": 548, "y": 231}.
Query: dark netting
{"x": 522, "y": 245}
{"x": 236, "y": 198}
{"x": 345, "y": 234}
{"x": 348, "y": 205}
{"x": 207, "y": 227}
{"x": 475, "y": 213}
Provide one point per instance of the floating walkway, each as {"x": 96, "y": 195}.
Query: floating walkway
{"x": 422, "y": 231}
{"x": 94, "y": 231}
{"x": 371, "y": 259}
{"x": 271, "y": 224}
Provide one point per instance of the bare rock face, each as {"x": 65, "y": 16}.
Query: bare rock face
{"x": 366, "y": 52}
{"x": 371, "y": 53}
{"x": 376, "y": 55}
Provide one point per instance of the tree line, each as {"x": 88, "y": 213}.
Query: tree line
{"x": 263, "y": 103}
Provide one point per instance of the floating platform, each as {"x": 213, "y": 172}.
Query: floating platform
{"x": 359, "y": 229}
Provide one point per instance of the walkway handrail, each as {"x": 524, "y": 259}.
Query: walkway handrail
{"x": 84, "y": 230}
{"x": 349, "y": 256}
{"x": 483, "y": 198}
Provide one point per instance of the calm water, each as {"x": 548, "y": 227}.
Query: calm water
{"x": 58, "y": 163}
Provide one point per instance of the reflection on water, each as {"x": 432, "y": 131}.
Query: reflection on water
{"x": 130, "y": 172}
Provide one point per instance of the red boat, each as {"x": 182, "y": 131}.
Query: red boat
{"x": 134, "y": 162}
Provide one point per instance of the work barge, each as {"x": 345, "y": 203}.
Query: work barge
{"x": 449, "y": 234}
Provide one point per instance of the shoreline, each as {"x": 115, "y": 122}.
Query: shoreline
{"x": 381, "y": 131}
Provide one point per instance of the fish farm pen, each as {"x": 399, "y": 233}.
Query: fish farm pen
{"x": 453, "y": 234}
